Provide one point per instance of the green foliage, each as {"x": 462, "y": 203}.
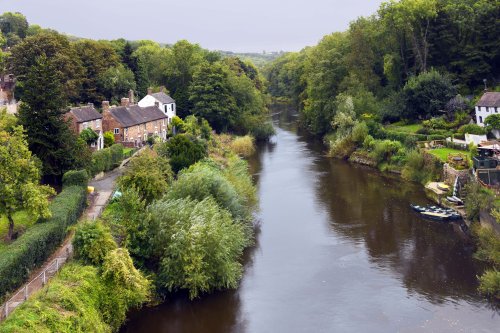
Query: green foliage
{"x": 489, "y": 283}
{"x": 89, "y": 136}
{"x": 92, "y": 242}
{"x": 148, "y": 174}
{"x": 182, "y": 151}
{"x": 201, "y": 181}
{"x": 75, "y": 178}
{"x": 197, "y": 127}
{"x": 243, "y": 146}
{"x": 39, "y": 241}
{"x": 115, "y": 82}
{"x": 420, "y": 169}
{"x": 109, "y": 139}
{"x": 492, "y": 121}
{"x": 477, "y": 198}
{"x": 20, "y": 177}
{"x": 42, "y": 112}
{"x": 386, "y": 150}
{"x": 471, "y": 129}
{"x": 81, "y": 299}
{"x": 199, "y": 245}
{"x": 106, "y": 159}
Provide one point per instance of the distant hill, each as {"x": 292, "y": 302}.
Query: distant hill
{"x": 258, "y": 59}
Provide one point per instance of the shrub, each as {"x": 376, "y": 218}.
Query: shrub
{"x": 92, "y": 242}
{"x": 384, "y": 150}
{"x": 202, "y": 181}
{"x": 75, "y": 177}
{"x": 489, "y": 283}
{"x": 149, "y": 174}
{"x": 89, "y": 136}
{"x": 369, "y": 142}
{"x": 38, "y": 242}
{"x": 128, "y": 287}
{"x": 359, "y": 133}
{"x": 471, "y": 129}
{"x": 477, "y": 198}
{"x": 199, "y": 245}
{"x": 243, "y": 146}
{"x": 106, "y": 159}
{"x": 80, "y": 299}
{"x": 183, "y": 151}
{"x": 109, "y": 139}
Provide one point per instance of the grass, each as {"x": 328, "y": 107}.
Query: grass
{"x": 442, "y": 153}
{"x": 22, "y": 221}
{"x": 127, "y": 150}
{"x": 399, "y": 127}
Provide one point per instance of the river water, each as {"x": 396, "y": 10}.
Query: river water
{"x": 338, "y": 250}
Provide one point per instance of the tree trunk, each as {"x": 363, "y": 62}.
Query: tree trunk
{"x": 11, "y": 226}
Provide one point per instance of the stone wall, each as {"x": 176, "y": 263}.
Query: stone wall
{"x": 450, "y": 174}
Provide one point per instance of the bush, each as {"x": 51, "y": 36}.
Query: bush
{"x": 477, "y": 198}
{"x": 80, "y": 299}
{"x": 38, "y": 242}
{"x": 149, "y": 174}
{"x": 199, "y": 245}
{"x": 183, "y": 151}
{"x": 106, "y": 159}
{"x": 243, "y": 146}
{"x": 359, "y": 133}
{"x": 75, "y": 178}
{"x": 92, "y": 242}
{"x": 202, "y": 181}
{"x": 385, "y": 150}
{"x": 109, "y": 139}
{"x": 471, "y": 129}
{"x": 489, "y": 283}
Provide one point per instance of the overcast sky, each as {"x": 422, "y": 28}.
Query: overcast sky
{"x": 232, "y": 25}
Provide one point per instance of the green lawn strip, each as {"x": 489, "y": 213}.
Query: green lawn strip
{"x": 22, "y": 221}
{"x": 442, "y": 153}
{"x": 397, "y": 127}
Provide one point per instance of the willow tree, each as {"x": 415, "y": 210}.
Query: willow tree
{"x": 19, "y": 179}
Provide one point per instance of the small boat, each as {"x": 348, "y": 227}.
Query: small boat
{"x": 455, "y": 200}
{"x": 418, "y": 209}
{"x": 443, "y": 187}
{"x": 436, "y": 216}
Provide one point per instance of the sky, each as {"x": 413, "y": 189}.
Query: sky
{"x": 230, "y": 25}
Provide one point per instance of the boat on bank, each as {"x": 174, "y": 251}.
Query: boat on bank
{"x": 437, "y": 213}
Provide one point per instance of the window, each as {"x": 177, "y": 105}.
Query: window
{"x": 117, "y": 131}
{"x": 85, "y": 125}
{"x": 92, "y": 144}
{"x": 97, "y": 123}
{"x": 166, "y": 108}
{"x": 480, "y": 119}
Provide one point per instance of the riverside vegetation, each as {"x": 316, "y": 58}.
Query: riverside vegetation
{"x": 168, "y": 232}
{"x": 393, "y": 79}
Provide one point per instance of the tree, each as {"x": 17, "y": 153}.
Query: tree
{"x": 14, "y": 26}
{"x": 19, "y": 179}
{"x": 59, "y": 52}
{"x": 426, "y": 95}
{"x": 116, "y": 82}
{"x": 210, "y": 95}
{"x": 148, "y": 174}
{"x": 89, "y": 136}
{"x": 96, "y": 58}
{"x": 182, "y": 151}
{"x": 42, "y": 115}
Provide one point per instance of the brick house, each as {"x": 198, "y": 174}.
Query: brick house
{"x": 132, "y": 124}
{"x": 87, "y": 116}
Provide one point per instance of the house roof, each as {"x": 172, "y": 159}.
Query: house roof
{"x": 85, "y": 113}
{"x": 136, "y": 115}
{"x": 163, "y": 98}
{"x": 490, "y": 99}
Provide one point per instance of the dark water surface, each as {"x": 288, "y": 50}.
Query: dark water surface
{"x": 339, "y": 250}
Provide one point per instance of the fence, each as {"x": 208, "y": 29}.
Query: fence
{"x": 34, "y": 285}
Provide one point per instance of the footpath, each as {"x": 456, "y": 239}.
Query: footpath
{"x": 103, "y": 189}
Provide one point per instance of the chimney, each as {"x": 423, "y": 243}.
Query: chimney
{"x": 91, "y": 105}
{"x": 105, "y": 106}
{"x": 125, "y": 101}
{"x": 131, "y": 96}
{"x": 162, "y": 88}
{"x": 150, "y": 91}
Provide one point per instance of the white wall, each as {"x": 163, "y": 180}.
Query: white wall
{"x": 168, "y": 109}
{"x": 483, "y": 112}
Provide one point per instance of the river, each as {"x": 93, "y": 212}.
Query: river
{"x": 338, "y": 250}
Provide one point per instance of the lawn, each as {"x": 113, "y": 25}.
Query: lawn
{"x": 22, "y": 221}
{"x": 442, "y": 153}
{"x": 399, "y": 127}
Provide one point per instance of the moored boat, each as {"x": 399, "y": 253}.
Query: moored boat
{"x": 436, "y": 216}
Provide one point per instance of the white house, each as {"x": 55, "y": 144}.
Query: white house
{"x": 161, "y": 100}
{"x": 488, "y": 104}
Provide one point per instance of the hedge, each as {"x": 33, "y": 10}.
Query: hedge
{"x": 75, "y": 177}
{"x": 39, "y": 242}
{"x": 106, "y": 159}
